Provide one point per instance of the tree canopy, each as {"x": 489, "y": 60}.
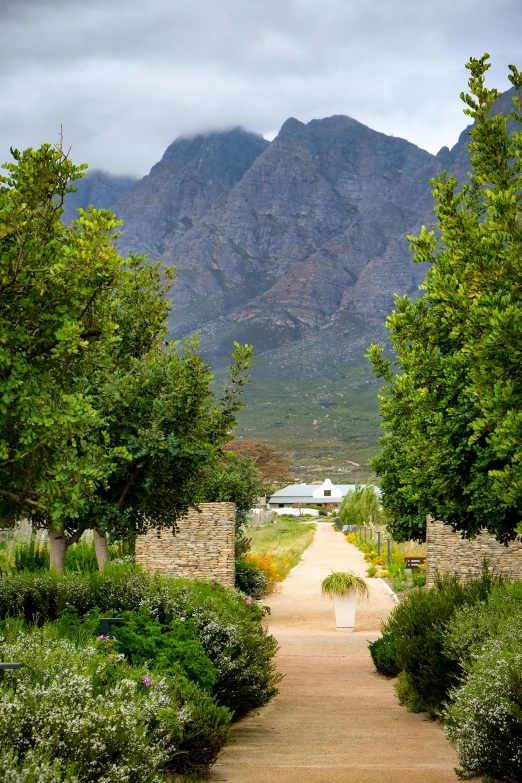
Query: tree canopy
{"x": 361, "y": 506}
{"x": 103, "y": 422}
{"x": 452, "y": 403}
{"x": 273, "y": 466}
{"x": 231, "y": 479}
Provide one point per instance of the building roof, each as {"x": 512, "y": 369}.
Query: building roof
{"x": 306, "y": 491}
{"x": 313, "y": 493}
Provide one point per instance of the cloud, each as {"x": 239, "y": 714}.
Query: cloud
{"x": 125, "y": 77}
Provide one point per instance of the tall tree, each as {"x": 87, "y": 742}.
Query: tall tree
{"x": 101, "y": 422}
{"x": 453, "y": 410}
{"x": 233, "y": 478}
{"x": 272, "y": 464}
{"x": 361, "y": 506}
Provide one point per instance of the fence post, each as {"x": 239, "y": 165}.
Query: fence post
{"x": 388, "y": 541}
{"x": 378, "y": 543}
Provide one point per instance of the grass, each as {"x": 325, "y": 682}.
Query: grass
{"x": 316, "y": 399}
{"x": 340, "y": 583}
{"x": 285, "y": 539}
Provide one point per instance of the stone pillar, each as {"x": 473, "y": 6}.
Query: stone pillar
{"x": 202, "y": 548}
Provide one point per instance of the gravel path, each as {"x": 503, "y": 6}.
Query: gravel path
{"x": 335, "y": 719}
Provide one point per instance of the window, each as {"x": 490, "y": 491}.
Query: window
{"x": 328, "y": 493}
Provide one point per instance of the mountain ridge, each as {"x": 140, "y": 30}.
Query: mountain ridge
{"x": 297, "y": 246}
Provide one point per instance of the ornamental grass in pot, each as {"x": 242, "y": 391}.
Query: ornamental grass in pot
{"x": 344, "y": 587}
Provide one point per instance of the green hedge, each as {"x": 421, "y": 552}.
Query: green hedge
{"x": 228, "y": 628}
{"x": 458, "y": 649}
{"x": 417, "y": 627}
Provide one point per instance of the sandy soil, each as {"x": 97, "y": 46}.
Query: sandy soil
{"x": 335, "y": 719}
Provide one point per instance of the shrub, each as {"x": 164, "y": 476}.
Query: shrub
{"x": 35, "y": 767}
{"x": 472, "y": 626}
{"x": 172, "y": 650}
{"x": 384, "y": 654}
{"x": 80, "y": 558}
{"x": 205, "y": 728}
{"x": 485, "y": 718}
{"x": 51, "y": 706}
{"x": 274, "y": 571}
{"x": 250, "y": 579}
{"x": 28, "y": 556}
{"x": 228, "y": 629}
{"x": 418, "y": 626}
{"x": 231, "y": 634}
{"x": 418, "y": 577}
{"x": 83, "y": 706}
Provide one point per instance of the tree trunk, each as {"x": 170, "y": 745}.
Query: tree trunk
{"x": 58, "y": 548}
{"x": 101, "y": 546}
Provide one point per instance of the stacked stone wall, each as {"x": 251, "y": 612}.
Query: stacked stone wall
{"x": 202, "y": 548}
{"x": 449, "y": 553}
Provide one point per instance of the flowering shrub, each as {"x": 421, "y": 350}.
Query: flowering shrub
{"x": 35, "y": 767}
{"x": 250, "y": 579}
{"x": 83, "y": 709}
{"x": 274, "y": 569}
{"x": 228, "y": 629}
{"x": 485, "y": 716}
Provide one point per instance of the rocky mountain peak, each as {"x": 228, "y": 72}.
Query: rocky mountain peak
{"x": 194, "y": 173}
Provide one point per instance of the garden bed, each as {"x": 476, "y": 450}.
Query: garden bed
{"x": 394, "y": 573}
{"x": 273, "y": 550}
{"x": 154, "y": 699}
{"x": 456, "y": 650}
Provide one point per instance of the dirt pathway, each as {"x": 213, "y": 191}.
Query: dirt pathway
{"x": 335, "y": 719}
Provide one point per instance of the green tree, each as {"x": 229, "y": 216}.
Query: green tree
{"x": 233, "y": 478}
{"x": 453, "y": 406}
{"x": 102, "y": 424}
{"x": 361, "y": 506}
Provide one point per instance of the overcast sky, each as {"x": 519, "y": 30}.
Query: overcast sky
{"x": 125, "y": 77}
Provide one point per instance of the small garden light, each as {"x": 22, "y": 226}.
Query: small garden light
{"x": 106, "y": 623}
{"x": 8, "y": 665}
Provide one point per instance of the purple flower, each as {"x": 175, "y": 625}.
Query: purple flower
{"x": 101, "y": 638}
{"x": 146, "y": 681}
{"x": 249, "y": 600}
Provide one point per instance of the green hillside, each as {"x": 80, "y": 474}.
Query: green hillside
{"x": 317, "y": 400}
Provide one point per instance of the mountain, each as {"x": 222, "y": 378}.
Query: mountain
{"x": 298, "y": 246}
{"x": 193, "y": 175}
{"x": 98, "y": 188}
{"x": 280, "y": 238}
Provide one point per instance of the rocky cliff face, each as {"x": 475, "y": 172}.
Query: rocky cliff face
{"x": 98, "y": 188}
{"x": 280, "y": 238}
{"x": 273, "y": 240}
{"x": 193, "y": 175}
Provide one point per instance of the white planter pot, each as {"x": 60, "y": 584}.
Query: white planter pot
{"x": 345, "y": 606}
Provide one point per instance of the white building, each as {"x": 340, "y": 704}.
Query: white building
{"x": 310, "y": 494}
